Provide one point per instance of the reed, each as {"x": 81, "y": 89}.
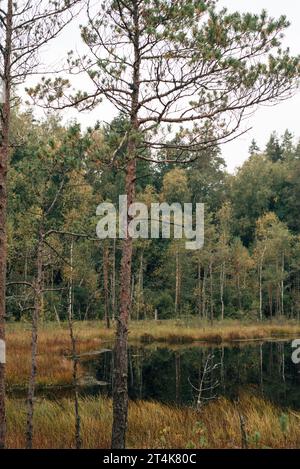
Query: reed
{"x": 154, "y": 425}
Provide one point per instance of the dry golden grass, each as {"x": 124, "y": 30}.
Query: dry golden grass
{"x": 54, "y": 343}
{"x": 53, "y": 349}
{"x": 153, "y": 425}
{"x": 220, "y": 332}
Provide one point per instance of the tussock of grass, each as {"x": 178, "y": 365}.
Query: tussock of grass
{"x": 153, "y": 425}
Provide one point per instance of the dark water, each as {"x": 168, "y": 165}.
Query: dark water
{"x": 173, "y": 374}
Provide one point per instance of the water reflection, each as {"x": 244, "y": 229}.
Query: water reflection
{"x": 173, "y": 374}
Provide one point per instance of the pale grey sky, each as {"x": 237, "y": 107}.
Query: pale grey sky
{"x": 263, "y": 122}
{"x": 284, "y": 115}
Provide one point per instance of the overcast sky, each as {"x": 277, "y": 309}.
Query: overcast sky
{"x": 284, "y": 115}
{"x": 263, "y": 122}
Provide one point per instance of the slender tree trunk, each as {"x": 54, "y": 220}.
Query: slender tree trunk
{"x": 78, "y": 440}
{"x": 4, "y": 155}
{"x": 105, "y": 282}
{"x": 131, "y": 295}
{"x": 38, "y": 292}
{"x": 282, "y": 362}
{"x": 282, "y": 285}
{"x": 239, "y": 290}
{"x": 177, "y": 377}
{"x": 278, "y": 300}
{"x": 278, "y": 285}
{"x": 222, "y": 278}
{"x": 222, "y": 367}
{"x": 211, "y": 294}
{"x": 204, "y": 294}
{"x": 177, "y": 284}
{"x": 141, "y": 375}
{"x": 298, "y": 299}
{"x": 140, "y": 301}
{"x": 199, "y": 289}
{"x": 261, "y": 367}
{"x": 270, "y": 295}
{"x": 26, "y": 265}
{"x": 260, "y": 269}
{"x": 260, "y": 292}
{"x": 56, "y": 315}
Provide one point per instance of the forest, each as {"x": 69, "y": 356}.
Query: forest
{"x": 125, "y": 342}
{"x": 249, "y": 267}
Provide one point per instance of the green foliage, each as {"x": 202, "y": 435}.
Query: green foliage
{"x": 244, "y": 228}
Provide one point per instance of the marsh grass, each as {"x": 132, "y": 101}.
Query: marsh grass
{"x": 154, "y": 425}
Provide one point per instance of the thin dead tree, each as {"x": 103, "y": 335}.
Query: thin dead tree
{"x": 25, "y": 27}
{"x": 174, "y": 69}
{"x": 208, "y": 384}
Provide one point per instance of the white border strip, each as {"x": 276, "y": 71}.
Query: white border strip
{"x": 2, "y": 91}
{"x": 2, "y": 352}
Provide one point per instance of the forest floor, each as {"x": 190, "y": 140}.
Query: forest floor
{"x": 154, "y": 425}
{"x": 55, "y": 367}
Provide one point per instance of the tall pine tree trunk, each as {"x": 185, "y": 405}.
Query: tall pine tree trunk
{"x": 4, "y": 155}
{"x": 120, "y": 388}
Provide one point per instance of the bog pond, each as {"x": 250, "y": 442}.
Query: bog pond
{"x": 173, "y": 374}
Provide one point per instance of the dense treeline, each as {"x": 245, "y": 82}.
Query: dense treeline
{"x": 249, "y": 266}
